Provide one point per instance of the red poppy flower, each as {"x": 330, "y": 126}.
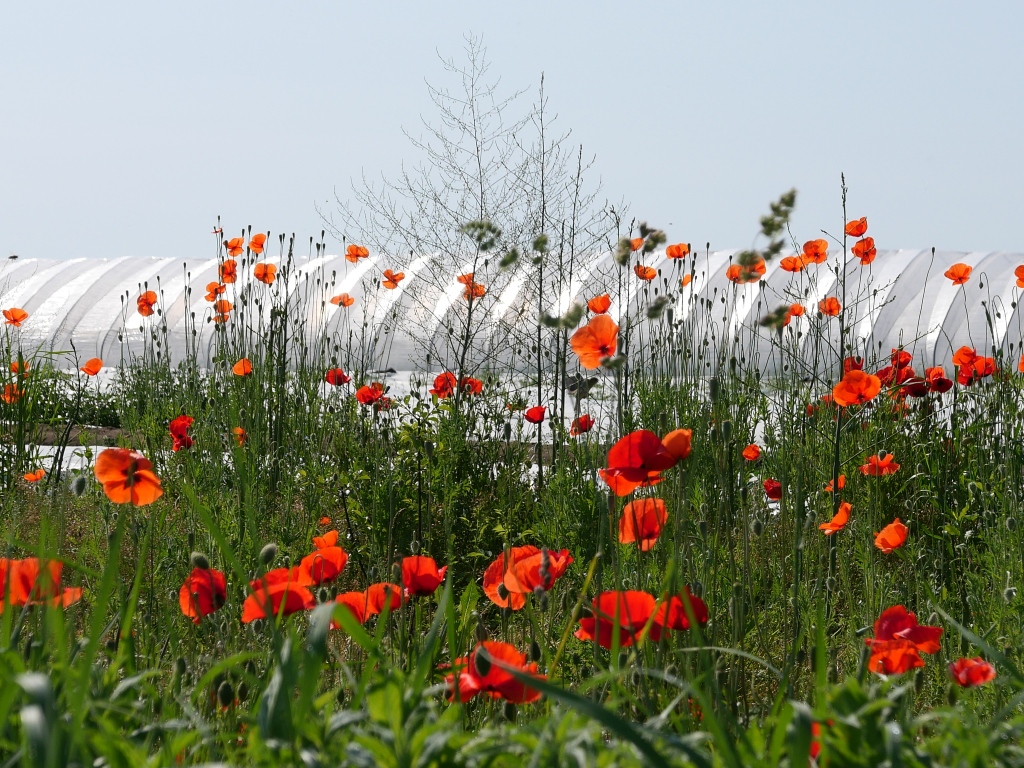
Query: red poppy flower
{"x": 641, "y": 522}
{"x": 494, "y": 658}
{"x": 857, "y": 227}
{"x": 371, "y": 394}
{"x": 235, "y": 246}
{"x": 856, "y": 388}
{"x": 625, "y": 613}
{"x": 15, "y": 316}
{"x": 539, "y": 570}
{"x": 92, "y": 366}
{"x": 343, "y": 300}
{"x": 179, "y": 432}
{"x": 893, "y": 536}
{"x": 34, "y": 477}
{"x": 381, "y": 597}
{"x": 127, "y": 476}
{"x": 678, "y": 251}
{"x": 595, "y": 342}
{"x": 879, "y": 466}
{"x": 816, "y": 251}
{"x": 914, "y": 387}
{"x": 636, "y": 244}
{"x": 278, "y": 593}
{"x": 673, "y": 614}
{"x": 444, "y": 385}
{"x": 421, "y": 576}
{"x": 242, "y": 368}
{"x": 494, "y": 577}
{"x": 964, "y": 356}
{"x": 336, "y": 377}
{"x": 970, "y": 673}
{"x": 772, "y": 489}
{"x": 471, "y": 386}
{"x": 937, "y": 381}
{"x": 636, "y": 460}
{"x": 959, "y": 273}
{"x": 853, "y": 364}
{"x": 257, "y": 243}
{"x": 145, "y": 303}
{"x": 752, "y": 452}
{"x": 894, "y": 658}
{"x": 600, "y": 304}
{"x": 839, "y": 521}
{"x": 830, "y": 306}
{"x": 392, "y": 279}
{"x": 1019, "y": 273}
{"x": 678, "y": 443}
{"x": 355, "y": 604}
{"x": 204, "y": 591}
{"x": 535, "y": 415}
{"x": 900, "y": 358}
{"x": 265, "y": 273}
{"x": 865, "y": 250}
{"x": 29, "y": 582}
{"x": 326, "y": 563}
{"x": 897, "y": 623}
{"x": 240, "y": 436}
{"x": 645, "y": 273}
{"x": 842, "y": 484}
{"x": 228, "y": 271}
{"x": 581, "y": 425}
{"x": 792, "y": 264}
{"x": 356, "y": 252}
{"x": 979, "y": 368}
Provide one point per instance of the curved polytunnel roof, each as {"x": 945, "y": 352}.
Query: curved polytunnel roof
{"x": 902, "y": 299}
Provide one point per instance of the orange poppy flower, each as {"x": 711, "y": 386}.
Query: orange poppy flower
{"x": 1019, "y": 273}
{"x": 678, "y": 443}
{"x": 964, "y": 356}
{"x": 865, "y": 250}
{"x": 535, "y": 415}
{"x": 1020, "y": 365}
{"x": 240, "y": 436}
{"x": 473, "y": 290}
{"x": 856, "y": 388}
{"x": 793, "y": 264}
{"x": 673, "y": 613}
{"x": 595, "y": 342}
{"x": 242, "y": 368}
{"x": 678, "y": 251}
{"x": 146, "y": 303}
{"x": 624, "y": 613}
{"x": 959, "y": 273}
{"x": 498, "y": 682}
{"x": 494, "y": 577}
{"x": 29, "y": 582}
{"x": 893, "y": 536}
{"x": 11, "y": 394}
{"x": 214, "y": 289}
{"x": 636, "y": 244}
{"x": 221, "y": 308}
{"x": 370, "y": 394}
{"x": 636, "y": 460}
{"x": 581, "y": 425}
{"x": 857, "y": 227}
{"x": 343, "y": 300}
{"x": 878, "y": 466}
{"x": 641, "y": 522}
{"x": 740, "y": 274}
{"x": 645, "y": 273}
{"x": 257, "y": 243}
{"x": 34, "y": 477}
{"x": 795, "y": 310}
{"x": 21, "y": 368}
{"x": 392, "y": 279}
{"x": 687, "y": 279}
{"x": 277, "y": 593}
{"x": 228, "y": 271}
{"x": 830, "y": 489}
{"x": 539, "y": 570}
{"x": 204, "y": 592}
{"x": 265, "y": 273}
{"x": 970, "y": 673}
{"x": 15, "y": 316}
{"x": 837, "y": 523}
{"x": 92, "y": 366}
{"x": 752, "y": 452}
{"x": 600, "y": 304}
{"x": 830, "y": 306}
{"x": 336, "y": 377}
{"x": 381, "y": 597}
{"x": 772, "y": 489}
{"x": 444, "y": 385}
{"x": 235, "y": 246}
{"x": 127, "y": 476}
{"x": 816, "y": 251}
{"x": 899, "y": 624}
{"x": 356, "y": 252}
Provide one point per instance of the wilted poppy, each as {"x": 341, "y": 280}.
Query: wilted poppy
{"x": 970, "y": 673}
{"x": 228, "y": 271}
{"x": 623, "y": 613}
{"x": 35, "y": 476}
{"x": 257, "y": 243}
{"x": 792, "y": 264}
{"x": 92, "y": 366}
{"x": 752, "y": 452}
{"x": 853, "y": 364}
{"x": 636, "y": 244}
{"x": 595, "y": 342}
{"x": 641, "y": 522}
{"x": 830, "y": 306}
{"x": 145, "y": 303}
{"x": 536, "y": 414}
{"x": 204, "y": 592}
{"x": 342, "y": 300}
{"x": 839, "y": 521}
{"x": 265, "y": 273}
{"x": 959, "y": 273}
{"x": 382, "y": 597}
{"x": 179, "y": 432}
{"x": 842, "y": 484}
{"x": 772, "y": 489}
{"x": 444, "y": 385}
{"x": 494, "y": 577}
{"x": 277, "y": 593}
{"x": 242, "y": 368}
{"x": 857, "y": 227}
{"x": 336, "y": 377}
{"x": 678, "y": 443}
{"x": 893, "y": 536}
{"x": 486, "y": 670}
{"x": 816, "y": 251}
{"x": 240, "y": 436}
{"x": 600, "y": 304}
{"x": 15, "y": 316}
{"x": 392, "y": 279}
{"x": 856, "y": 387}
{"x": 30, "y": 582}
{"x": 370, "y": 394}
{"x": 678, "y": 251}
{"x": 878, "y": 465}
{"x": 636, "y": 460}
{"x": 581, "y": 425}
{"x": 865, "y": 250}
{"x": 675, "y": 611}
{"x": 214, "y": 289}
{"x": 356, "y": 252}
{"x": 421, "y": 576}
{"x": 127, "y": 476}
{"x": 645, "y": 273}
{"x": 235, "y": 246}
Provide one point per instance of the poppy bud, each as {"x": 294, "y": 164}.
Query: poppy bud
{"x": 225, "y": 694}
{"x": 918, "y": 682}
{"x": 199, "y": 560}
{"x": 322, "y": 595}
{"x": 534, "y": 650}
{"x": 428, "y": 448}
{"x": 714, "y": 389}
{"x": 538, "y": 591}
{"x": 756, "y": 526}
{"x": 180, "y": 666}
{"x": 544, "y": 601}
{"x": 951, "y": 695}
{"x": 622, "y": 658}
{"x": 702, "y": 526}
{"x": 506, "y": 613}
{"x": 726, "y": 430}
{"x": 697, "y": 589}
{"x": 396, "y": 574}
{"x": 509, "y": 711}
{"x": 481, "y": 633}
{"x": 1011, "y": 524}
{"x": 243, "y": 691}
{"x": 481, "y": 664}
{"x": 268, "y": 553}
{"x": 503, "y": 592}
{"x": 508, "y": 431}
{"x": 414, "y": 547}
{"x": 1009, "y": 593}
{"x": 801, "y": 656}
{"x": 830, "y": 584}
{"x": 78, "y": 485}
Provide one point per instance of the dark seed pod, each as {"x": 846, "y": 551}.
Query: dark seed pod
{"x": 225, "y": 694}
{"x": 534, "y": 650}
{"x": 481, "y": 663}
{"x": 509, "y": 711}
{"x": 243, "y": 691}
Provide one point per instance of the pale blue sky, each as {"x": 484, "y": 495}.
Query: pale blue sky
{"x": 126, "y": 128}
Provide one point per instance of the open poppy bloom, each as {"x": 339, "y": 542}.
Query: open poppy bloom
{"x": 494, "y": 577}
{"x": 936, "y": 379}
{"x": 636, "y": 460}
{"x": 959, "y": 273}
{"x": 486, "y": 671}
{"x": 214, "y": 289}
{"x": 240, "y": 436}
{"x": 792, "y": 264}
{"x": 354, "y": 253}
{"x": 370, "y": 394}
{"x": 235, "y": 246}
{"x": 92, "y": 366}
{"x": 641, "y": 522}
{"x": 890, "y": 375}
{"x": 392, "y": 279}
{"x": 21, "y": 367}
{"x": 687, "y": 279}
{"x": 893, "y": 536}
{"x": 336, "y": 377}
{"x": 1019, "y": 274}
{"x": 897, "y": 623}
{"x": 678, "y": 251}
{"x": 894, "y": 658}
{"x": 444, "y": 385}
{"x": 277, "y": 593}
{"x": 355, "y": 604}
{"x": 29, "y": 582}
{"x": 600, "y": 304}
{"x": 265, "y": 273}
{"x": 816, "y": 251}
{"x": 536, "y": 414}
{"x": 242, "y": 368}
{"x": 878, "y": 465}
{"x": 830, "y": 306}
{"x": 645, "y": 273}
{"x": 970, "y": 673}
{"x": 772, "y": 489}
{"x": 326, "y": 563}
{"x": 179, "y": 432}
{"x": 127, "y": 476}
{"x": 856, "y": 388}
{"x": 383, "y": 597}
{"x": 537, "y": 571}
{"x": 622, "y": 613}
{"x": 842, "y": 484}
{"x": 34, "y": 476}
{"x": 852, "y": 364}
{"x": 228, "y": 271}
{"x": 473, "y": 289}
{"x": 342, "y": 300}
{"x": 221, "y": 308}
{"x": 752, "y": 452}
{"x": 636, "y": 244}
{"x": 204, "y": 592}
{"x": 581, "y": 425}
{"x": 145, "y": 303}
{"x": 421, "y": 576}
{"x": 857, "y": 227}
{"x": 795, "y": 310}
{"x": 865, "y": 250}
{"x": 751, "y": 273}
{"x": 979, "y": 368}
{"x": 596, "y": 341}
{"x": 674, "y": 612}
{"x": 11, "y": 394}
{"x": 839, "y": 521}
{"x": 257, "y": 243}
{"x": 471, "y": 386}
{"x": 15, "y": 316}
